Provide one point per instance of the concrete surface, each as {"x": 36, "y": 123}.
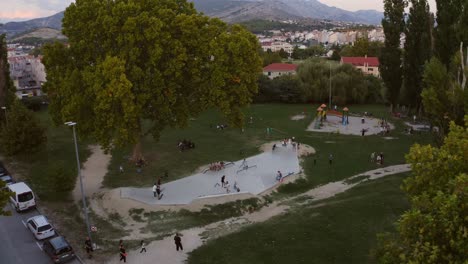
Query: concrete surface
{"x": 202, "y": 185}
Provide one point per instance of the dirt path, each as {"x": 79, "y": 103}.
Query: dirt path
{"x": 163, "y": 251}
{"x": 93, "y": 172}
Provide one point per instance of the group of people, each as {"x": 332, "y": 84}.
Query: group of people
{"x": 217, "y": 166}
{"x": 185, "y": 144}
{"x": 377, "y": 158}
{"x": 225, "y": 184}
{"x": 123, "y": 253}
{"x": 384, "y": 127}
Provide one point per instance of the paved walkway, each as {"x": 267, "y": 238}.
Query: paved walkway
{"x": 255, "y": 180}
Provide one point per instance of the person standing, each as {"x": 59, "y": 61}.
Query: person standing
{"x": 330, "y": 159}
{"x": 279, "y": 176}
{"x": 123, "y": 254}
{"x": 155, "y": 187}
{"x": 143, "y": 247}
{"x": 222, "y": 180}
{"x": 121, "y": 169}
{"x": 88, "y": 247}
{"x": 178, "y": 242}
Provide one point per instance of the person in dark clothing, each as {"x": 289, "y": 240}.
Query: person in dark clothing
{"x": 158, "y": 191}
{"x": 330, "y": 159}
{"x": 88, "y": 247}
{"x": 123, "y": 254}
{"x": 222, "y": 180}
{"x": 178, "y": 242}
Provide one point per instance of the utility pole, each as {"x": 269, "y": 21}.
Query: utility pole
{"x": 85, "y": 208}
{"x": 329, "y": 96}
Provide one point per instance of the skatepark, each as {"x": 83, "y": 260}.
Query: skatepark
{"x": 256, "y": 175}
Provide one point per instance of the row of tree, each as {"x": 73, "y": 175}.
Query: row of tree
{"x": 313, "y": 81}
{"x": 430, "y": 74}
{"x": 406, "y": 71}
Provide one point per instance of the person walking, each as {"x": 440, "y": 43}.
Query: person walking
{"x": 88, "y": 247}
{"x": 155, "y": 187}
{"x": 178, "y": 242}
{"x": 121, "y": 169}
{"x": 330, "y": 159}
{"x": 123, "y": 254}
{"x": 158, "y": 191}
{"x": 372, "y": 157}
{"x": 279, "y": 176}
{"x": 143, "y": 246}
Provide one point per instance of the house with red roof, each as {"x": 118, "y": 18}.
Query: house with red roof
{"x": 278, "y": 69}
{"x": 368, "y": 65}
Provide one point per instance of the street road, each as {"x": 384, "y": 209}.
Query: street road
{"x": 17, "y": 244}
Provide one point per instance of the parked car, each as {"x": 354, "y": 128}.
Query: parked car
{"x": 7, "y": 179}
{"x": 22, "y": 197}
{"x": 58, "y": 249}
{"x": 3, "y": 170}
{"x": 40, "y": 227}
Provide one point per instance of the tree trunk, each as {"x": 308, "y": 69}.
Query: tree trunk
{"x": 137, "y": 151}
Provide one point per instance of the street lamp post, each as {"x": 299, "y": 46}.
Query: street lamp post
{"x": 73, "y": 124}
{"x": 6, "y": 119}
{"x": 329, "y": 95}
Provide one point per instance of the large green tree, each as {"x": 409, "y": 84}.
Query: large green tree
{"x": 362, "y": 47}
{"x": 22, "y": 133}
{"x": 7, "y": 88}
{"x": 417, "y": 50}
{"x": 390, "y": 58}
{"x": 447, "y": 40}
{"x": 155, "y": 60}
{"x": 434, "y": 230}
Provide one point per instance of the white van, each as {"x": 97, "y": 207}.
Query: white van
{"x": 23, "y": 197}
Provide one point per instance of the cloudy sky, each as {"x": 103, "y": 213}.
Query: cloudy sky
{"x": 14, "y": 10}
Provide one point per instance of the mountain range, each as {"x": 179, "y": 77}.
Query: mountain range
{"x": 233, "y": 11}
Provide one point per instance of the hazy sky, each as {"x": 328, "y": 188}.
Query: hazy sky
{"x": 26, "y": 9}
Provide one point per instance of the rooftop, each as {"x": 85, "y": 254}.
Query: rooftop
{"x": 361, "y": 61}
{"x": 280, "y": 67}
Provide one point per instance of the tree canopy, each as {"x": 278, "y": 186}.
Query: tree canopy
{"x": 390, "y": 58}
{"x": 417, "y": 51}
{"x": 155, "y": 60}
{"x": 434, "y": 230}
{"x": 7, "y": 89}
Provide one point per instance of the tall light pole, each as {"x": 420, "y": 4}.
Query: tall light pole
{"x": 6, "y": 119}
{"x": 329, "y": 96}
{"x": 73, "y": 124}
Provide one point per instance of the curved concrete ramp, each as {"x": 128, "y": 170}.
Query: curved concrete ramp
{"x": 260, "y": 176}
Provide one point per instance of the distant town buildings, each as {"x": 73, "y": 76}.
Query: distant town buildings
{"x": 368, "y": 65}
{"x": 278, "y": 69}
{"x": 26, "y": 71}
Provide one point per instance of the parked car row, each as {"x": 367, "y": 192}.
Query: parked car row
{"x": 22, "y": 198}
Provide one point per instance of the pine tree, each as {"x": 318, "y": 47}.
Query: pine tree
{"x": 391, "y": 57}
{"x": 417, "y": 50}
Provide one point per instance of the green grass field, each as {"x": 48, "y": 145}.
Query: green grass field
{"x": 338, "y": 230}
{"x": 351, "y": 152}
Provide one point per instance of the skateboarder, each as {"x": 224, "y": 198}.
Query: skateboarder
{"x": 178, "y": 242}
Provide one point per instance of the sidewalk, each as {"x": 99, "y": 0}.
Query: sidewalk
{"x": 253, "y": 180}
